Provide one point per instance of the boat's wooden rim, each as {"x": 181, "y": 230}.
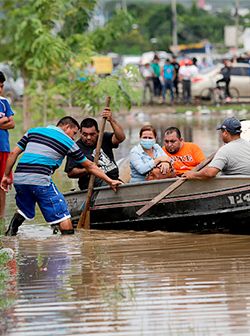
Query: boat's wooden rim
{"x": 172, "y": 199}
{"x": 170, "y": 180}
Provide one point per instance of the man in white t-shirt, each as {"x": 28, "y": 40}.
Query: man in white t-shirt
{"x": 231, "y": 159}
{"x": 186, "y": 73}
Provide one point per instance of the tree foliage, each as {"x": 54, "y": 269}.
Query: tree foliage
{"x": 155, "y": 21}
{"x": 46, "y": 40}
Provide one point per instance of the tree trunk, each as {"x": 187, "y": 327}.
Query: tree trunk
{"x": 26, "y": 106}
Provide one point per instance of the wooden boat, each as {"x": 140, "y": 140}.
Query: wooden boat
{"x": 222, "y": 203}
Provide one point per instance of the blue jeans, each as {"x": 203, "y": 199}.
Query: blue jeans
{"x": 51, "y": 202}
{"x": 168, "y": 85}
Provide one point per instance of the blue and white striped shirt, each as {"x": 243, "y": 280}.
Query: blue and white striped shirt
{"x": 44, "y": 150}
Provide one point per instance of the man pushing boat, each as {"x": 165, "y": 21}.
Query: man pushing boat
{"x": 44, "y": 150}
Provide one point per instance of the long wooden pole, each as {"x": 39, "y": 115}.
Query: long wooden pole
{"x": 171, "y": 188}
{"x": 84, "y": 220}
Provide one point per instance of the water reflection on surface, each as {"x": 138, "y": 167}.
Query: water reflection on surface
{"x": 130, "y": 283}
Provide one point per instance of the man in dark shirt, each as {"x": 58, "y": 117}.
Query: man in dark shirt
{"x": 176, "y": 79}
{"x": 87, "y": 143}
{"x": 226, "y": 73}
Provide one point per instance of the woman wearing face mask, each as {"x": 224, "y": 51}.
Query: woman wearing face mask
{"x": 147, "y": 155}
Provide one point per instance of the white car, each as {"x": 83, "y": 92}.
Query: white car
{"x": 206, "y": 80}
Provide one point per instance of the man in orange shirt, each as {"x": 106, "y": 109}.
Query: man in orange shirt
{"x": 185, "y": 155}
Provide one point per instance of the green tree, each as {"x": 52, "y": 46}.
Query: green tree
{"x": 45, "y": 39}
{"x": 155, "y": 21}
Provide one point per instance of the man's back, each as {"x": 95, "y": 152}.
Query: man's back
{"x": 44, "y": 149}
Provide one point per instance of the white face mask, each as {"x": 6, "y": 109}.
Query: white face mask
{"x": 147, "y": 143}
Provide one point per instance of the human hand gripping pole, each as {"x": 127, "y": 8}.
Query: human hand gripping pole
{"x": 171, "y": 188}
{"x": 84, "y": 220}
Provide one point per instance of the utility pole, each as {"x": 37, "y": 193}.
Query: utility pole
{"x": 237, "y": 6}
{"x": 174, "y": 23}
{"x": 124, "y": 5}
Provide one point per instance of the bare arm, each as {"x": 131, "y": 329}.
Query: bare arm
{"x": 92, "y": 168}
{"x": 77, "y": 172}
{"x": 174, "y": 76}
{"x": 118, "y": 135}
{"x": 7, "y": 123}
{"x": 203, "y": 174}
{"x": 163, "y": 158}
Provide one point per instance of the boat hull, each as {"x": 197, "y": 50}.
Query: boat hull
{"x": 222, "y": 203}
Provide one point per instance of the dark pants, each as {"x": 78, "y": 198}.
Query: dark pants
{"x": 186, "y": 90}
{"x": 227, "y": 82}
{"x": 148, "y": 85}
{"x": 168, "y": 85}
{"x": 176, "y": 81}
{"x": 157, "y": 86}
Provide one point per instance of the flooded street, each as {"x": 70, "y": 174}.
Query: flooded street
{"x": 130, "y": 283}
{"x": 126, "y": 282}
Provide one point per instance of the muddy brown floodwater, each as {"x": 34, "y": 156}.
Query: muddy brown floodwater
{"x": 125, "y": 282}
{"x": 130, "y": 283}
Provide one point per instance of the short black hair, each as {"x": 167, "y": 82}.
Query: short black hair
{"x": 88, "y": 123}
{"x": 2, "y": 77}
{"x": 68, "y": 120}
{"x": 172, "y": 129}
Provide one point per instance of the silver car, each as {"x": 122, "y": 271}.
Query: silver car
{"x": 206, "y": 80}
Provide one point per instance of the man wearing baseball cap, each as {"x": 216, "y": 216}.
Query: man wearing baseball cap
{"x": 231, "y": 159}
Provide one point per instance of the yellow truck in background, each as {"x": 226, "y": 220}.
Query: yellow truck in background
{"x": 103, "y": 65}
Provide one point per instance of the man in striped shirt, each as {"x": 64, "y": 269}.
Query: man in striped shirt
{"x": 44, "y": 150}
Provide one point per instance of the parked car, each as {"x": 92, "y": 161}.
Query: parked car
{"x": 13, "y": 86}
{"x": 206, "y": 79}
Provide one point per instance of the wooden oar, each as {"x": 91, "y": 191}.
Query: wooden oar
{"x": 171, "y": 188}
{"x": 84, "y": 220}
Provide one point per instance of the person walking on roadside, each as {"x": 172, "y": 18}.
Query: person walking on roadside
{"x": 231, "y": 159}
{"x": 44, "y": 149}
{"x": 168, "y": 74}
{"x": 6, "y": 123}
{"x": 156, "y": 76}
{"x": 87, "y": 143}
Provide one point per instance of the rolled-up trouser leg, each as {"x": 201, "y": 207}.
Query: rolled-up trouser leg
{"x": 16, "y": 221}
